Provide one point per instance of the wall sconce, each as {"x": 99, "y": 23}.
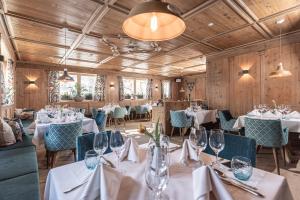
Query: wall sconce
{"x": 29, "y": 82}
{"x": 243, "y": 72}
{"x": 112, "y": 85}
{"x": 156, "y": 87}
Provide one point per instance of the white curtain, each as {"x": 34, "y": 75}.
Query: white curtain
{"x": 100, "y": 88}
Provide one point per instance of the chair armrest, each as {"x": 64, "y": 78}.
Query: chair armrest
{"x": 285, "y": 136}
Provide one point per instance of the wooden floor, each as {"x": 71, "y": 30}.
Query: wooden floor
{"x": 264, "y": 160}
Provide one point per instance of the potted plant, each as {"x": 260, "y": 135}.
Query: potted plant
{"x": 88, "y": 96}
{"x": 140, "y": 96}
{"x": 127, "y": 96}
{"x": 65, "y": 97}
{"x": 78, "y": 91}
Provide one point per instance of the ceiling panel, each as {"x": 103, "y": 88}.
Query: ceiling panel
{"x": 139, "y": 71}
{"x": 265, "y": 8}
{"x": 39, "y": 49}
{"x": 110, "y": 24}
{"x": 291, "y": 23}
{"x": 80, "y": 55}
{"x": 165, "y": 59}
{"x": 223, "y": 18}
{"x": 94, "y": 44}
{"x": 191, "y": 62}
{"x": 145, "y": 65}
{"x": 121, "y": 62}
{"x": 38, "y": 58}
{"x": 75, "y": 13}
{"x": 236, "y": 38}
{"x": 184, "y": 6}
{"x": 187, "y": 52}
{"x": 81, "y": 63}
{"x": 139, "y": 56}
{"x": 39, "y": 32}
{"x": 110, "y": 67}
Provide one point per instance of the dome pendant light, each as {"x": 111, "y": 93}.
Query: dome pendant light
{"x": 154, "y": 20}
{"x": 280, "y": 71}
{"x": 66, "y": 77}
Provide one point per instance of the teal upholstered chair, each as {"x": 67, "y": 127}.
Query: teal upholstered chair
{"x": 180, "y": 120}
{"x": 60, "y": 137}
{"x": 226, "y": 120}
{"x": 94, "y": 112}
{"x": 268, "y": 133}
{"x": 236, "y": 145}
{"x": 118, "y": 114}
{"x": 85, "y": 143}
{"x": 101, "y": 119}
{"x": 141, "y": 110}
{"x": 128, "y": 112}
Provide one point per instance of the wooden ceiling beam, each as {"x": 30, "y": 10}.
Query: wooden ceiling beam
{"x": 283, "y": 12}
{"x": 97, "y": 16}
{"x": 7, "y": 32}
{"x": 38, "y": 42}
{"x": 199, "y": 9}
{"x": 185, "y": 35}
{"x": 242, "y": 10}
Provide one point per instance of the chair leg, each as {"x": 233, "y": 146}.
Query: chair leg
{"x": 124, "y": 124}
{"x": 258, "y": 148}
{"x": 47, "y": 158}
{"x": 53, "y": 158}
{"x": 172, "y": 131}
{"x": 283, "y": 155}
{"x": 275, "y": 154}
{"x": 74, "y": 153}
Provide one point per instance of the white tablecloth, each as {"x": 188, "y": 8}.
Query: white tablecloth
{"x": 109, "y": 108}
{"x": 88, "y": 125}
{"x": 292, "y": 124}
{"x": 202, "y": 116}
{"x": 180, "y": 186}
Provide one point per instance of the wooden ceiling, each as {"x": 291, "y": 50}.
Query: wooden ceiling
{"x": 36, "y": 29}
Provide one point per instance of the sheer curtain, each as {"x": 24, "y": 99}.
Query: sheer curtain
{"x": 121, "y": 88}
{"x": 166, "y": 89}
{"x": 53, "y": 85}
{"x": 149, "y": 89}
{"x": 100, "y": 88}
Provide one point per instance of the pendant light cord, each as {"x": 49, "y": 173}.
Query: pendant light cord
{"x": 280, "y": 43}
{"x": 65, "y": 46}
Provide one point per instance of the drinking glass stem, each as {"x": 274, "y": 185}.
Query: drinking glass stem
{"x": 217, "y": 158}
{"x": 199, "y": 157}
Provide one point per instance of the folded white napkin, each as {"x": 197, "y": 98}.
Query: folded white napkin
{"x": 130, "y": 150}
{"x": 254, "y": 113}
{"x": 293, "y": 115}
{"x": 205, "y": 180}
{"x": 103, "y": 184}
{"x": 270, "y": 115}
{"x": 188, "y": 152}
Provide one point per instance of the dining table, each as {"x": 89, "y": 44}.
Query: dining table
{"x": 88, "y": 125}
{"x": 179, "y": 187}
{"x": 293, "y": 124}
{"x": 202, "y": 116}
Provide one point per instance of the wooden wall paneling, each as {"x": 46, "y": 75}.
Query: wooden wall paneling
{"x": 218, "y": 84}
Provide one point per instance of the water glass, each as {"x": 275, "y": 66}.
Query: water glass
{"x": 91, "y": 159}
{"x": 198, "y": 139}
{"x": 116, "y": 144}
{"x": 241, "y": 168}
{"x": 100, "y": 143}
{"x": 217, "y": 142}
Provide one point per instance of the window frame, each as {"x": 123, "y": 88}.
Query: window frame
{"x": 134, "y": 97}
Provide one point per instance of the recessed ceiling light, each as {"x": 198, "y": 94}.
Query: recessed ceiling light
{"x": 280, "y": 21}
{"x": 210, "y": 24}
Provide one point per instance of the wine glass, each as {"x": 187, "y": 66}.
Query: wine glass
{"x": 156, "y": 174}
{"x": 217, "y": 142}
{"x": 198, "y": 139}
{"x": 116, "y": 144}
{"x": 100, "y": 143}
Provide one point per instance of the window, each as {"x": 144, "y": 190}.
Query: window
{"x": 88, "y": 83}
{"x": 135, "y": 88}
{"x": 128, "y": 88}
{"x": 166, "y": 84}
{"x": 141, "y": 88}
{"x": 68, "y": 89}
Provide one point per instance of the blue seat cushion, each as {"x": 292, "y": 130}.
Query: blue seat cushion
{"x": 21, "y": 187}
{"x": 237, "y": 146}
{"x": 27, "y": 141}
{"x": 17, "y": 162}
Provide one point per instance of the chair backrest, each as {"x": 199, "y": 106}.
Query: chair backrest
{"x": 85, "y": 143}
{"x": 236, "y": 145}
{"x": 62, "y": 136}
{"x": 141, "y": 109}
{"x": 119, "y": 113}
{"x": 179, "y": 119}
{"x": 268, "y": 133}
{"x": 94, "y": 113}
{"x": 224, "y": 116}
{"x": 101, "y": 119}
{"x": 128, "y": 109}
